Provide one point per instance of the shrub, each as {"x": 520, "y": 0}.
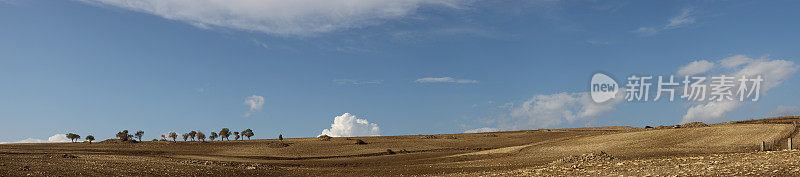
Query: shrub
{"x": 123, "y": 135}
{"x": 429, "y": 137}
{"x": 359, "y": 141}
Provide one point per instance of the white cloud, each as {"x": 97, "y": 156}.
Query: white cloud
{"x": 785, "y": 111}
{"x": 774, "y": 72}
{"x": 57, "y": 138}
{"x": 280, "y": 17}
{"x": 734, "y": 61}
{"x": 481, "y": 130}
{"x": 544, "y": 111}
{"x": 356, "y": 82}
{"x": 713, "y": 111}
{"x": 695, "y": 67}
{"x": 348, "y": 125}
{"x": 255, "y": 102}
{"x": 445, "y": 80}
{"x": 682, "y": 19}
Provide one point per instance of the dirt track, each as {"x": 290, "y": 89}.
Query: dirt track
{"x": 509, "y": 153}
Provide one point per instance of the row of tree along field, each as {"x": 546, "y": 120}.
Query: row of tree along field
{"x": 223, "y": 134}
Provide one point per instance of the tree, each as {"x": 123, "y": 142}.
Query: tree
{"x": 123, "y": 135}
{"x": 139, "y": 135}
{"x": 236, "y": 136}
{"x": 213, "y": 136}
{"x": 248, "y": 133}
{"x": 90, "y": 138}
{"x": 225, "y": 133}
{"x": 73, "y": 137}
{"x": 280, "y": 137}
{"x": 163, "y": 137}
{"x": 185, "y": 136}
{"x": 201, "y": 136}
{"x": 173, "y": 135}
{"x": 192, "y": 134}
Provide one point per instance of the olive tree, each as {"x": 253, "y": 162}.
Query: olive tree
{"x": 173, "y": 135}
{"x": 201, "y": 136}
{"x": 213, "y": 136}
{"x": 123, "y": 135}
{"x": 185, "y": 136}
{"x": 248, "y": 133}
{"x": 139, "y": 134}
{"x": 225, "y": 133}
{"x": 90, "y": 138}
{"x": 73, "y": 137}
{"x": 192, "y": 134}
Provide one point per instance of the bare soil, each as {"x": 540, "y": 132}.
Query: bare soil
{"x": 626, "y": 151}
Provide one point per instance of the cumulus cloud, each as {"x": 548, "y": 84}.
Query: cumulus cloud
{"x": 695, "y": 67}
{"x": 255, "y": 102}
{"x": 347, "y": 125}
{"x": 280, "y": 17}
{"x": 710, "y": 112}
{"x": 785, "y": 111}
{"x": 445, "y": 80}
{"x": 685, "y": 17}
{"x": 57, "y": 138}
{"x": 542, "y": 111}
{"x": 774, "y": 72}
{"x": 481, "y": 130}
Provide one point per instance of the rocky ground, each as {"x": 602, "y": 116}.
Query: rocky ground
{"x": 770, "y": 163}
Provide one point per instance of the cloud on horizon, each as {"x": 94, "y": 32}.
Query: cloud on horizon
{"x": 278, "y": 17}
{"x": 785, "y": 111}
{"x": 347, "y": 125}
{"x": 57, "y": 138}
{"x": 774, "y": 72}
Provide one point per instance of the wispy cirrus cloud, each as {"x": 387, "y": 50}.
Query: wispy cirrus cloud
{"x": 280, "y": 17}
{"x": 445, "y": 80}
{"x": 357, "y": 82}
{"x": 685, "y": 17}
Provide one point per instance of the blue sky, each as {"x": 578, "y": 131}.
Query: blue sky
{"x": 409, "y": 67}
